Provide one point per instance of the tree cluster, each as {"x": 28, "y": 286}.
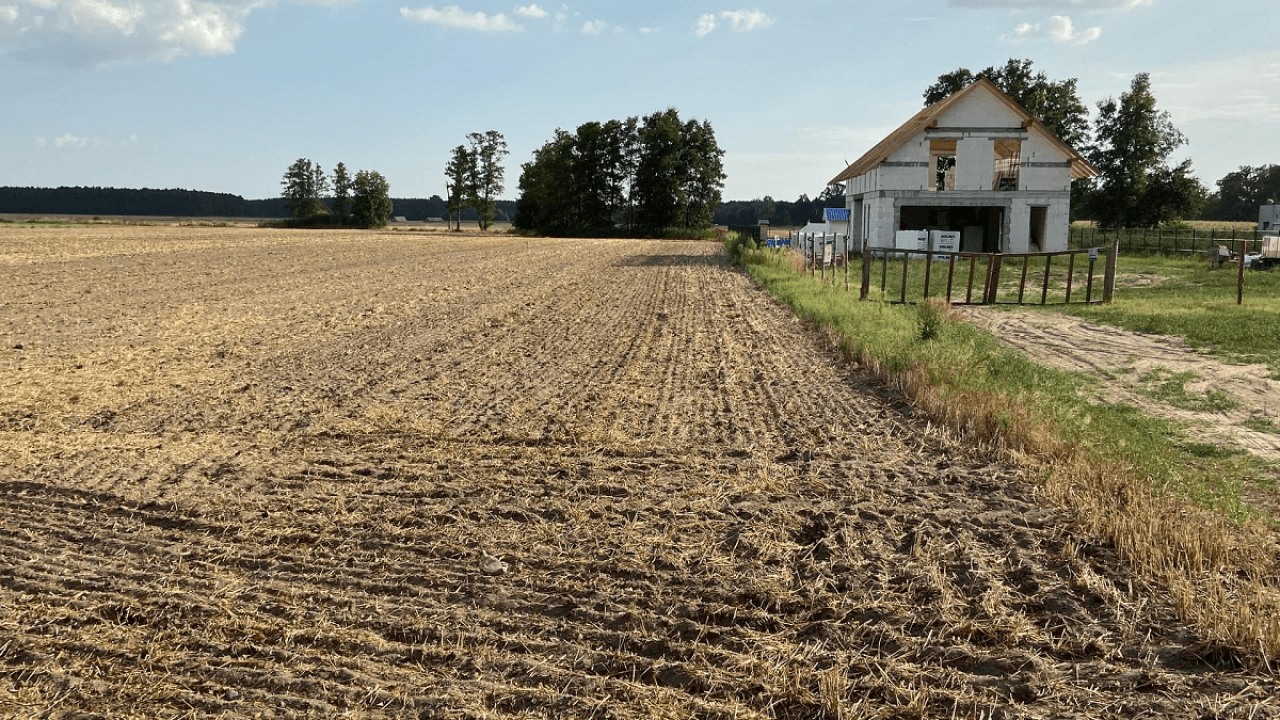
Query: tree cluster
{"x": 474, "y": 177}
{"x": 363, "y": 200}
{"x": 650, "y": 176}
{"x": 1242, "y": 192}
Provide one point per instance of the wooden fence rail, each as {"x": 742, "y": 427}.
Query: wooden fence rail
{"x": 1161, "y": 241}
{"x": 993, "y": 265}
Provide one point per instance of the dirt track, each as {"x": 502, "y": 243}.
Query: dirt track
{"x": 249, "y": 473}
{"x": 1120, "y": 358}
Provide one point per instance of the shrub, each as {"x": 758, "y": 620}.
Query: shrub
{"x": 932, "y": 316}
{"x": 736, "y": 244}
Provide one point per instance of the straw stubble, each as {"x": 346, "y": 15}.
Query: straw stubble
{"x": 253, "y": 472}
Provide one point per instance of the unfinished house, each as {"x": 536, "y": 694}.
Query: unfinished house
{"x": 976, "y": 163}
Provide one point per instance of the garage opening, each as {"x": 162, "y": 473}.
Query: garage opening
{"x": 979, "y": 227}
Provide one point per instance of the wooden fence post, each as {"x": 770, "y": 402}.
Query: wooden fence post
{"x": 993, "y": 280}
{"x": 1109, "y": 277}
{"x": 866, "y": 270}
{"x": 1244, "y": 245}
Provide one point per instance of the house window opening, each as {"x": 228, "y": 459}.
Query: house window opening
{"x": 942, "y": 156}
{"x": 1008, "y": 167}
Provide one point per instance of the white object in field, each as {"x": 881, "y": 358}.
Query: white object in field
{"x": 1271, "y": 247}
{"x": 492, "y": 564}
{"x": 944, "y": 241}
{"x": 911, "y": 240}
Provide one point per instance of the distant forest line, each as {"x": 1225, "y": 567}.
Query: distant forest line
{"x": 198, "y": 203}
{"x": 192, "y": 203}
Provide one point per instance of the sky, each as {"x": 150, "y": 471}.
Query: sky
{"x": 223, "y": 95}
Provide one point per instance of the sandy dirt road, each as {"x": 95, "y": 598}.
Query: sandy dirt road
{"x": 250, "y": 473}
{"x": 1127, "y": 364}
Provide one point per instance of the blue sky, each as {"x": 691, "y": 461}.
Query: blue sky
{"x": 223, "y": 95}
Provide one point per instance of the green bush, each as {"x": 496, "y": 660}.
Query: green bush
{"x": 736, "y": 244}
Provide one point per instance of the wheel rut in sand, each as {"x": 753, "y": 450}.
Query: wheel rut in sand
{"x": 256, "y": 478}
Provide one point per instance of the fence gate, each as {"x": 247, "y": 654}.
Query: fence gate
{"x": 1043, "y": 278}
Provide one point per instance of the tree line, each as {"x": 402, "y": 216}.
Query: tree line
{"x": 134, "y": 202}
{"x": 650, "y": 176}
{"x": 106, "y": 201}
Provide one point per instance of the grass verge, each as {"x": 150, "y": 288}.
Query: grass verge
{"x": 1131, "y": 478}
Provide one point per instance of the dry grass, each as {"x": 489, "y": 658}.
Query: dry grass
{"x": 249, "y": 473}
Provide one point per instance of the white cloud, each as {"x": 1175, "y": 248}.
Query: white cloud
{"x": 594, "y": 27}
{"x": 738, "y": 21}
{"x": 102, "y": 32}
{"x": 456, "y": 18}
{"x": 1073, "y": 5}
{"x": 101, "y": 16}
{"x": 562, "y": 18}
{"x": 209, "y": 31}
{"x": 746, "y": 20}
{"x": 1059, "y": 29}
{"x": 69, "y": 140}
{"x": 705, "y": 26}
{"x": 648, "y": 30}
{"x": 531, "y": 11}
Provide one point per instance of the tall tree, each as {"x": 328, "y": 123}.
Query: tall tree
{"x": 660, "y": 198}
{"x": 486, "y": 182}
{"x": 702, "y": 176}
{"x": 371, "y": 201}
{"x": 1056, "y": 103}
{"x": 544, "y": 203}
{"x": 341, "y": 192}
{"x": 319, "y": 187}
{"x": 303, "y": 189}
{"x": 1133, "y": 141}
{"x": 458, "y": 173}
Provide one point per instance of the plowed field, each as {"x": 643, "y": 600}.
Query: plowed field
{"x": 252, "y": 473}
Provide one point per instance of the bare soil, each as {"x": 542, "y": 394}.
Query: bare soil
{"x": 250, "y": 473}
